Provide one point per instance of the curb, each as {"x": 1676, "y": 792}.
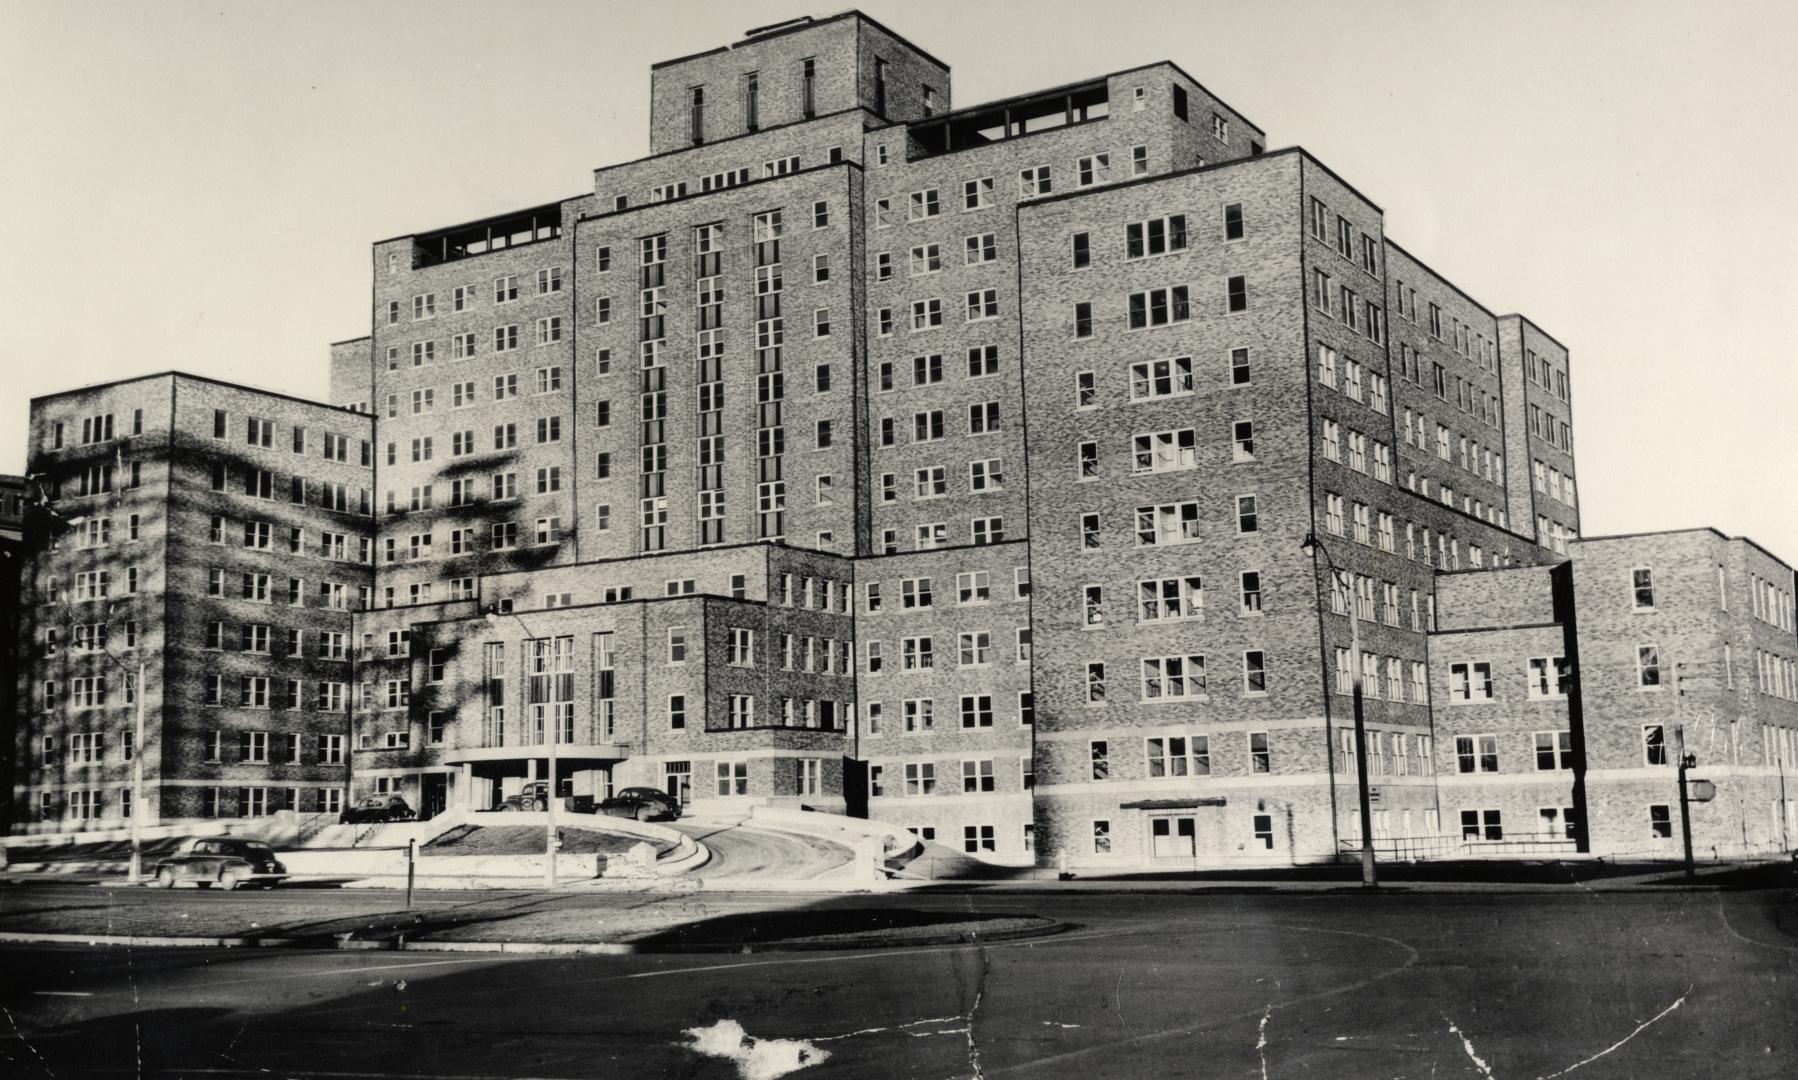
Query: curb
{"x": 521, "y": 948}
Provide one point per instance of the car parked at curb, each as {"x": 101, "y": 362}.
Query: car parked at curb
{"x": 377, "y": 809}
{"x": 225, "y": 861}
{"x": 642, "y": 803}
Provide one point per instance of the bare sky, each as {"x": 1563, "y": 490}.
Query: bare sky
{"x": 194, "y": 186}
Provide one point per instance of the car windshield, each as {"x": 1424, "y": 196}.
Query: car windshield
{"x": 259, "y": 851}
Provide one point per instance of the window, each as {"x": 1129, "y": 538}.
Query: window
{"x": 1470, "y": 682}
{"x": 1648, "y": 667}
{"x": 1654, "y": 745}
{"x": 1247, "y": 519}
{"x": 983, "y": 248}
{"x": 1171, "y": 523}
{"x": 977, "y": 712}
{"x": 1550, "y": 677}
{"x": 1233, "y": 223}
{"x": 1094, "y": 170}
{"x": 1165, "y": 451}
{"x": 1238, "y": 293}
{"x": 977, "y": 194}
{"x": 1642, "y": 587}
{"x": 1158, "y": 236}
{"x": 1476, "y": 753}
{"x": 1554, "y": 750}
{"x": 1482, "y": 825}
{"x": 1083, "y": 320}
{"x": 924, "y": 205}
{"x": 1660, "y": 821}
{"x": 1152, "y": 379}
{"x": 1254, "y": 671}
{"x": 1082, "y": 250}
{"x": 1034, "y": 182}
{"x": 1173, "y": 678}
{"x": 982, "y": 304}
{"x": 1159, "y": 307}
{"x": 1260, "y": 756}
{"x": 1251, "y": 593}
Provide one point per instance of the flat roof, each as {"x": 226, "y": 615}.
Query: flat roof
{"x": 172, "y": 374}
{"x": 503, "y": 215}
{"x": 1156, "y": 178}
{"x": 1076, "y": 84}
{"x": 795, "y": 25}
{"x": 1712, "y": 529}
{"x": 1409, "y": 254}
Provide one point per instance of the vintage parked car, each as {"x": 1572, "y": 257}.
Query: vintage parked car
{"x": 225, "y": 861}
{"x": 535, "y": 796}
{"x": 377, "y": 808}
{"x": 642, "y": 803}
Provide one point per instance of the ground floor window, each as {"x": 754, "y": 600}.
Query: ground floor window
{"x": 1660, "y": 821}
{"x": 733, "y": 778}
{"x": 977, "y": 838}
{"x": 1557, "y": 822}
{"x": 252, "y": 801}
{"x": 807, "y": 777}
{"x": 1101, "y": 838}
{"x": 330, "y": 800}
{"x": 1029, "y": 837}
{"x": 1482, "y": 825}
{"x": 1264, "y": 831}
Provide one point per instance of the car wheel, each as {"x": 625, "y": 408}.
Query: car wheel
{"x": 644, "y": 813}
{"x": 227, "y": 880}
{"x": 165, "y": 878}
{"x": 539, "y": 804}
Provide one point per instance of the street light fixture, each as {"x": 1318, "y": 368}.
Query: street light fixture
{"x": 492, "y": 615}
{"x": 1314, "y": 547}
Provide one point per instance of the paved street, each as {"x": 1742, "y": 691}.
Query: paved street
{"x": 1331, "y": 984}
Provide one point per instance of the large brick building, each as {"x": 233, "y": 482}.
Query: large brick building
{"x": 858, "y": 452}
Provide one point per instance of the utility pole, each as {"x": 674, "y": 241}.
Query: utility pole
{"x": 1686, "y": 762}
{"x": 1369, "y": 872}
{"x": 136, "y": 874}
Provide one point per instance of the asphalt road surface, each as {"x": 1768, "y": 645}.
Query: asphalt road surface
{"x": 1338, "y": 984}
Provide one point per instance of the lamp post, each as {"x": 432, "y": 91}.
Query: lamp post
{"x": 135, "y": 873}
{"x": 492, "y": 615}
{"x": 1313, "y": 547}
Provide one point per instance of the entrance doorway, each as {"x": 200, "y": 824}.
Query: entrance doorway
{"x": 1173, "y": 836}
{"x": 433, "y": 796}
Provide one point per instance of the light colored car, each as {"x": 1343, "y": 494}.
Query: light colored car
{"x": 225, "y": 861}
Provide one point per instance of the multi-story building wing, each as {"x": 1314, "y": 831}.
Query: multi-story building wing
{"x": 220, "y": 537}
{"x": 1566, "y": 695}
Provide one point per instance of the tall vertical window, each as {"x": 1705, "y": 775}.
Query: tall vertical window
{"x": 880, "y": 87}
{"x": 752, "y": 93}
{"x": 551, "y": 689}
{"x": 808, "y": 88}
{"x": 696, "y": 114}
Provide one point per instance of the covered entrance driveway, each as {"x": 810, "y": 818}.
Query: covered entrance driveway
{"x": 490, "y": 775}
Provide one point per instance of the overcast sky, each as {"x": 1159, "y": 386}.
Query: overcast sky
{"x": 194, "y": 186}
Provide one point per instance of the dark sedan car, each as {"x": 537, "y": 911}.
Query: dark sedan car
{"x": 225, "y": 861}
{"x": 377, "y": 808}
{"x": 642, "y": 803}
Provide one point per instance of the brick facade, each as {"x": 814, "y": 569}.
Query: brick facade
{"x": 670, "y": 467}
